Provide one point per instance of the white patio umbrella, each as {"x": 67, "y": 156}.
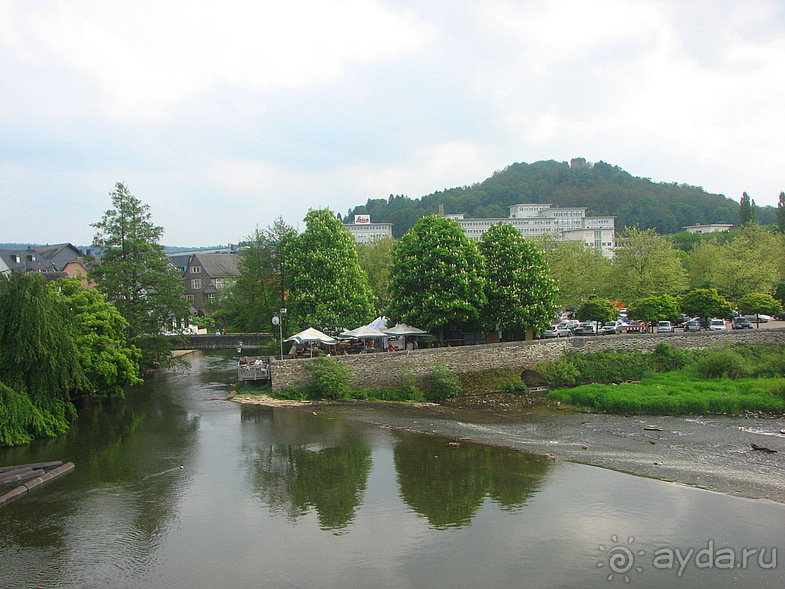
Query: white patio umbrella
{"x": 403, "y": 329}
{"x": 364, "y": 331}
{"x": 311, "y": 335}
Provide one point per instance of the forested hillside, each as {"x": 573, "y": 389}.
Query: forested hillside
{"x": 602, "y": 188}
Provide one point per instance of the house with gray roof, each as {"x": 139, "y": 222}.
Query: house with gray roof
{"x": 48, "y": 259}
{"x": 204, "y": 274}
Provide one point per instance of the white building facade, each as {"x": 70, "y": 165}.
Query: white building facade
{"x": 565, "y": 223}
{"x": 366, "y": 232}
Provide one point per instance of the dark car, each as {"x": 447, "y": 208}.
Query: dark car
{"x": 693, "y": 325}
{"x": 741, "y": 323}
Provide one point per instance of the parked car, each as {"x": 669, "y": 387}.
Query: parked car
{"x": 586, "y": 328}
{"x": 693, "y": 325}
{"x": 634, "y": 327}
{"x": 664, "y": 327}
{"x": 557, "y": 331}
{"x": 717, "y": 324}
{"x": 741, "y": 323}
{"x": 611, "y": 327}
{"x": 756, "y": 318}
{"x": 682, "y": 319}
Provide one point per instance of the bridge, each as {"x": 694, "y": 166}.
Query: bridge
{"x": 228, "y": 341}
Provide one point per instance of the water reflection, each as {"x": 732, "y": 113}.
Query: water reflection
{"x": 448, "y": 483}
{"x": 297, "y": 463}
{"x": 285, "y": 498}
{"x": 307, "y": 464}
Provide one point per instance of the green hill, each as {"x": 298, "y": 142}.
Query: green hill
{"x": 602, "y": 188}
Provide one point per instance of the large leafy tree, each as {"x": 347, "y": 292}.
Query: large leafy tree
{"x": 706, "y": 303}
{"x": 597, "y": 310}
{"x": 759, "y": 303}
{"x": 39, "y": 365}
{"x": 520, "y": 293}
{"x": 109, "y": 363}
{"x": 646, "y": 264}
{"x": 436, "y": 279}
{"x": 326, "y": 287}
{"x": 655, "y": 308}
{"x": 752, "y": 261}
{"x": 580, "y": 272}
{"x": 136, "y": 276}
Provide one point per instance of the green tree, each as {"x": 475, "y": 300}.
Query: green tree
{"x": 249, "y": 302}
{"x": 39, "y": 366}
{"x": 706, "y": 303}
{"x": 436, "y": 278}
{"x": 746, "y": 209}
{"x": 109, "y": 363}
{"x": 376, "y": 259}
{"x": 647, "y": 264}
{"x": 759, "y": 303}
{"x": 656, "y": 308}
{"x": 136, "y": 276}
{"x": 519, "y": 292}
{"x": 327, "y": 289}
{"x": 752, "y": 261}
{"x": 597, "y": 310}
{"x": 579, "y": 271}
{"x": 781, "y": 213}
{"x": 779, "y": 292}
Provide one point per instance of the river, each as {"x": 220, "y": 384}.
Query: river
{"x": 177, "y": 487}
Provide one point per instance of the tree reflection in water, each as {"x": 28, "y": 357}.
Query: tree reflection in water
{"x": 447, "y": 484}
{"x": 305, "y": 464}
{"x": 298, "y": 463}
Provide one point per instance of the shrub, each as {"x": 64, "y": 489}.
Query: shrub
{"x": 722, "y": 363}
{"x": 445, "y": 384}
{"x": 331, "y": 379}
{"x": 669, "y": 358}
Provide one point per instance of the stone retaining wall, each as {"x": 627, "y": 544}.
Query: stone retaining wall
{"x": 385, "y": 370}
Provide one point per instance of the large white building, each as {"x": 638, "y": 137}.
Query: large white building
{"x": 565, "y": 223}
{"x": 366, "y": 232}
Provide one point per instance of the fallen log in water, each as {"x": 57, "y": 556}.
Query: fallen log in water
{"x": 34, "y": 465}
{"x": 20, "y": 475}
{"x": 44, "y": 476}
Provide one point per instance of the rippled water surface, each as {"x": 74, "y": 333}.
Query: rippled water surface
{"x": 176, "y": 487}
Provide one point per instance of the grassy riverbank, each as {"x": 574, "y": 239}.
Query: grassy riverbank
{"x": 734, "y": 380}
{"x": 679, "y": 393}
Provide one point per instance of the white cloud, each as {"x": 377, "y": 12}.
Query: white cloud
{"x": 148, "y": 56}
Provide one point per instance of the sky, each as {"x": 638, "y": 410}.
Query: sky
{"x": 223, "y": 116}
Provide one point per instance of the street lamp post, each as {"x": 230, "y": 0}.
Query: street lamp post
{"x": 278, "y": 320}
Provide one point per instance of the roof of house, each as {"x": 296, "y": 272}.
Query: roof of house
{"x": 217, "y": 265}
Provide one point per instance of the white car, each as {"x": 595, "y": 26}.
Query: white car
{"x": 664, "y": 327}
{"x": 717, "y": 324}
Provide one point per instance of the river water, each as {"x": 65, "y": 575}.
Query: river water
{"x": 176, "y": 487}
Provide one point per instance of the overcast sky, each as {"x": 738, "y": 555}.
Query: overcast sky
{"x": 222, "y": 116}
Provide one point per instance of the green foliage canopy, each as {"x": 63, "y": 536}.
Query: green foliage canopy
{"x": 597, "y": 310}
{"x": 655, "y": 308}
{"x": 39, "y": 367}
{"x": 649, "y": 265}
{"x": 109, "y": 363}
{"x": 136, "y": 276}
{"x": 520, "y": 293}
{"x": 436, "y": 276}
{"x": 706, "y": 303}
{"x": 327, "y": 289}
{"x": 759, "y": 303}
